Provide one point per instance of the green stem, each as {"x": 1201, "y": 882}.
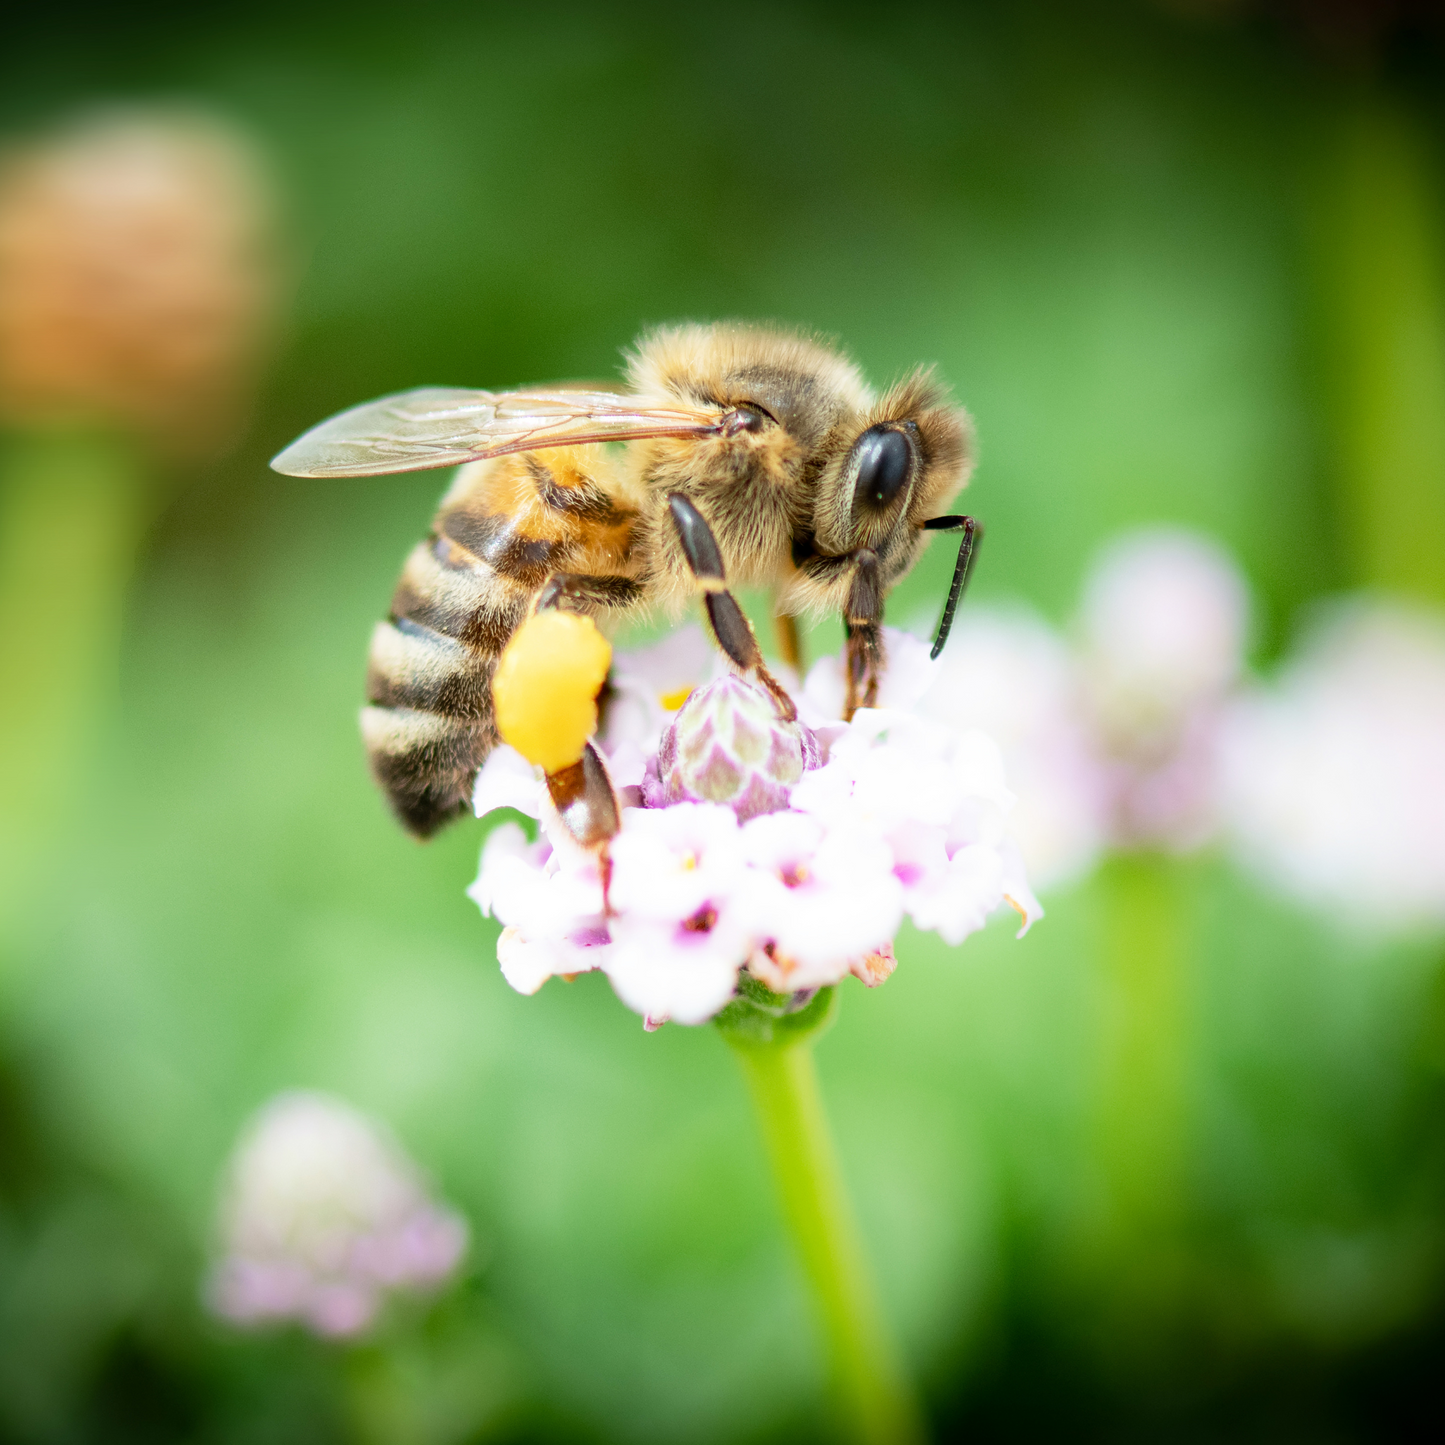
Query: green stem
{"x": 1141, "y": 1124}
{"x": 874, "y": 1401}
{"x": 72, "y": 510}
{"x": 1381, "y": 243}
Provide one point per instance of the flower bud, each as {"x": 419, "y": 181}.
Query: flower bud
{"x": 728, "y": 746}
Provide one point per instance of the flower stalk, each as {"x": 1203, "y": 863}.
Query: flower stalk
{"x": 1146, "y": 1027}
{"x": 775, "y": 1049}
{"x": 73, "y": 505}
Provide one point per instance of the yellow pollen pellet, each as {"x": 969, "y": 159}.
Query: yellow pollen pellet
{"x": 546, "y": 684}
{"x": 671, "y": 701}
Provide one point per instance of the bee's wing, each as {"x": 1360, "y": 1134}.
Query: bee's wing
{"x": 438, "y": 426}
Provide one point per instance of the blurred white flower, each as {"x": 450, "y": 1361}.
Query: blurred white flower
{"x": 323, "y": 1214}
{"x": 815, "y": 840}
{"x": 1163, "y": 626}
{"x": 1011, "y": 676}
{"x": 1335, "y": 775}
{"x": 1109, "y": 739}
{"x": 1163, "y": 621}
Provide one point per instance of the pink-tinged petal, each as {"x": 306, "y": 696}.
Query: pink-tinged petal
{"x": 684, "y": 972}
{"x": 669, "y": 862}
{"x": 506, "y": 855}
{"x": 919, "y": 854}
{"x": 508, "y": 780}
{"x": 959, "y": 902}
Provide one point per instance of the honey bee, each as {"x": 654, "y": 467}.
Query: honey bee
{"x": 747, "y": 454}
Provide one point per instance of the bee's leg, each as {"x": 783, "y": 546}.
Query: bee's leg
{"x": 972, "y": 531}
{"x": 586, "y": 803}
{"x": 582, "y": 592}
{"x": 863, "y": 624}
{"x": 730, "y": 625}
{"x": 588, "y": 809}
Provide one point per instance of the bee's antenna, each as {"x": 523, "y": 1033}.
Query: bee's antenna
{"x": 972, "y": 531}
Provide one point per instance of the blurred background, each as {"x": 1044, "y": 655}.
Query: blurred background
{"x": 1171, "y": 1167}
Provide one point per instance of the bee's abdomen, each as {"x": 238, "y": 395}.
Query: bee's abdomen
{"x": 429, "y": 728}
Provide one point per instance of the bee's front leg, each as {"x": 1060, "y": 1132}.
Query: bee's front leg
{"x": 730, "y": 625}
{"x": 863, "y": 623}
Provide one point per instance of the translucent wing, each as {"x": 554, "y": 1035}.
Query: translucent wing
{"x": 438, "y": 426}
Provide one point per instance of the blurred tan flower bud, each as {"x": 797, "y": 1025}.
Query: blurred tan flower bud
{"x": 136, "y": 278}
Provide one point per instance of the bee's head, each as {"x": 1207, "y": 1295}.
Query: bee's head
{"x": 897, "y": 466}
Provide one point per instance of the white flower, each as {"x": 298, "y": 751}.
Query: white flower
{"x": 322, "y": 1215}
{"x": 680, "y": 926}
{"x": 805, "y": 875}
{"x": 1335, "y": 776}
{"x": 818, "y": 898}
{"x": 508, "y": 780}
{"x": 550, "y": 904}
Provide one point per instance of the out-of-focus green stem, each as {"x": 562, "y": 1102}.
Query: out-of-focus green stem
{"x": 874, "y": 1402}
{"x": 1142, "y": 1112}
{"x": 72, "y": 508}
{"x": 1382, "y": 251}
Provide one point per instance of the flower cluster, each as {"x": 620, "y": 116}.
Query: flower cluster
{"x": 793, "y": 850}
{"x": 323, "y": 1216}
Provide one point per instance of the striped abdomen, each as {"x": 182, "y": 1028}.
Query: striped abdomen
{"x": 503, "y": 531}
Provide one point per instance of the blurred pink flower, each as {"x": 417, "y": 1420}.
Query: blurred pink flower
{"x": 1111, "y": 740}
{"x": 322, "y": 1215}
{"x": 1162, "y": 626}
{"x": 1012, "y": 676}
{"x": 1334, "y": 778}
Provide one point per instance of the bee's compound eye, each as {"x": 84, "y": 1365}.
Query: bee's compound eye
{"x": 743, "y": 417}
{"x": 883, "y": 458}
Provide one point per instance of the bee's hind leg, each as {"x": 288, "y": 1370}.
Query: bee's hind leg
{"x": 588, "y": 809}
{"x": 730, "y": 625}
{"x": 583, "y": 795}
